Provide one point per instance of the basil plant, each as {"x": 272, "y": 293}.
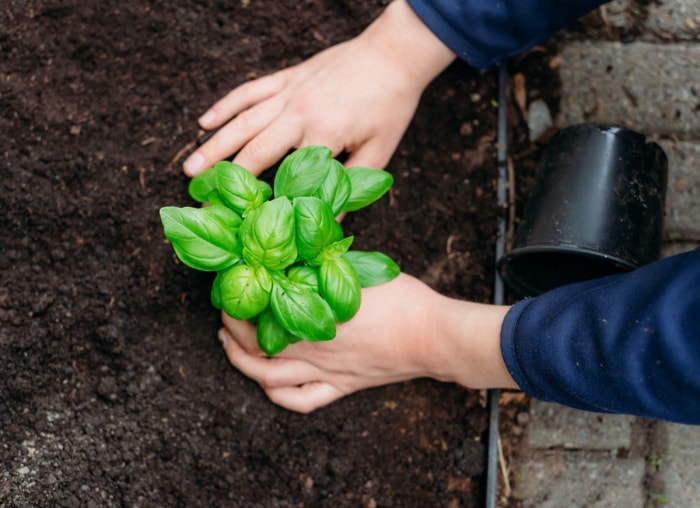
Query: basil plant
{"x": 281, "y": 258}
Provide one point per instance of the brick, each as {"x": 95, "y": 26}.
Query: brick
{"x": 552, "y": 426}
{"x": 579, "y": 479}
{"x": 675, "y": 20}
{"x": 683, "y": 193}
{"x": 670, "y": 249}
{"x": 676, "y": 480}
{"x": 678, "y": 19}
{"x": 648, "y": 87}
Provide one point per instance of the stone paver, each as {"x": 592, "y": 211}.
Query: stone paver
{"x": 652, "y": 88}
{"x": 675, "y": 481}
{"x": 679, "y": 19}
{"x": 580, "y": 479}
{"x": 670, "y": 249}
{"x": 683, "y": 193}
{"x": 554, "y": 426}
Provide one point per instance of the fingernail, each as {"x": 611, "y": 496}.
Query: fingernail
{"x": 207, "y": 118}
{"x": 194, "y": 163}
{"x": 223, "y": 338}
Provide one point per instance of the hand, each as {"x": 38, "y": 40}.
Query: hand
{"x": 403, "y": 330}
{"x": 357, "y": 97}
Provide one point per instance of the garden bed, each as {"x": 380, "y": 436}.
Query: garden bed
{"x": 114, "y": 389}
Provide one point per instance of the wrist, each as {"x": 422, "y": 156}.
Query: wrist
{"x": 406, "y": 41}
{"x": 467, "y": 344}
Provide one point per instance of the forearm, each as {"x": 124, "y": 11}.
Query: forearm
{"x": 622, "y": 344}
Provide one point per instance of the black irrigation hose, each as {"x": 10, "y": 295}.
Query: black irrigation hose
{"x": 494, "y": 394}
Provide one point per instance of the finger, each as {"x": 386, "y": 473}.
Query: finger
{"x": 269, "y": 146}
{"x": 376, "y": 153}
{"x": 305, "y": 398}
{"x": 268, "y": 372}
{"x": 243, "y": 332}
{"x": 232, "y": 136}
{"x": 324, "y": 136}
{"x": 241, "y": 98}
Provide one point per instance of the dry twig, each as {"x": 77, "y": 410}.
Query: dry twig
{"x": 504, "y": 469}
{"x": 511, "y": 204}
{"x": 187, "y": 148}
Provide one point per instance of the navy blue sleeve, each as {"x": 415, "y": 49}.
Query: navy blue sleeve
{"x": 483, "y": 32}
{"x": 626, "y": 344}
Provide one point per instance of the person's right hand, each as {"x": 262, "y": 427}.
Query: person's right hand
{"x": 403, "y": 330}
{"x": 356, "y": 97}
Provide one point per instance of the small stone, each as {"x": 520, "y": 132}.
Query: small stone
{"x": 682, "y": 185}
{"x": 523, "y": 418}
{"x": 539, "y": 119}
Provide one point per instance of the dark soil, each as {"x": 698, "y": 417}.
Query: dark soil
{"x": 114, "y": 389}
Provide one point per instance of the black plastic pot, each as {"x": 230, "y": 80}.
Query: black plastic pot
{"x": 596, "y": 208}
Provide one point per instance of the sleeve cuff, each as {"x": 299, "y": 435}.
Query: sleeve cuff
{"x": 508, "y": 348}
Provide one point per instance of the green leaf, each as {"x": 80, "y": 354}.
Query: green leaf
{"x": 214, "y": 199}
{"x": 200, "y": 238}
{"x": 316, "y": 227}
{"x": 304, "y": 275}
{"x": 335, "y": 189}
{"x": 225, "y": 215}
{"x": 373, "y": 268}
{"x": 265, "y": 189}
{"x": 303, "y": 171}
{"x": 271, "y": 335}
{"x": 243, "y": 291}
{"x": 267, "y": 234}
{"x": 301, "y": 311}
{"x": 333, "y": 251}
{"x": 215, "y": 294}
{"x": 340, "y": 287}
{"x": 367, "y": 186}
{"x": 238, "y": 187}
{"x": 202, "y": 185}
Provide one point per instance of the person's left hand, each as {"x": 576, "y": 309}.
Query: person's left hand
{"x": 356, "y": 97}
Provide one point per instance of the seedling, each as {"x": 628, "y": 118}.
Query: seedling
{"x": 281, "y": 259}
